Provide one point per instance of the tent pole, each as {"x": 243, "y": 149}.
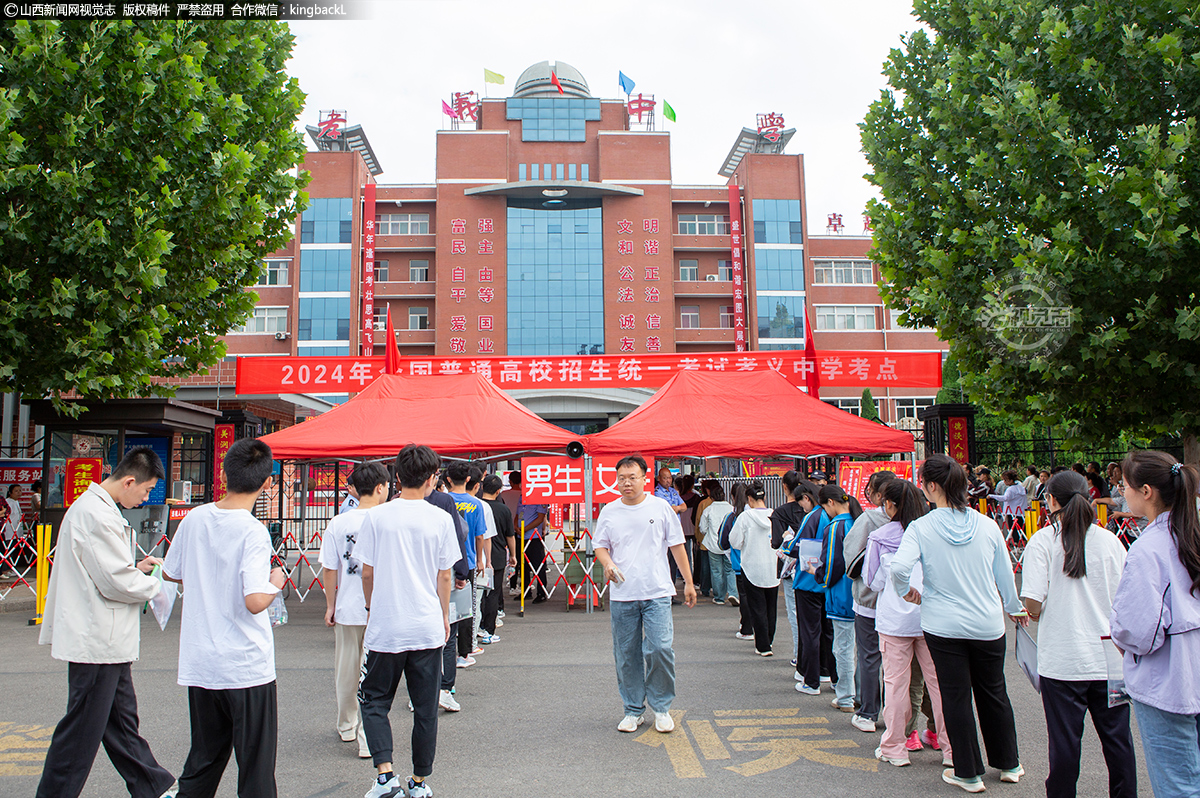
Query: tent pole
{"x": 521, "y": 579}
{"x": 587, "y": 527}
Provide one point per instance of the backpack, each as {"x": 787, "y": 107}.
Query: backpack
{"x": 726, "y": 528}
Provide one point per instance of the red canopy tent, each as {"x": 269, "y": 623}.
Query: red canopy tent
{"x": 453, "y": 414}
{"x": 746, "y": 414}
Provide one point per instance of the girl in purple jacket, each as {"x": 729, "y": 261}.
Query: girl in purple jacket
{"x": 1156, "y": 619}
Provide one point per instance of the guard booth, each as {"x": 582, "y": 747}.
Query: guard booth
{"x": 950, "y": 429}
{"x": 86, "y": 449}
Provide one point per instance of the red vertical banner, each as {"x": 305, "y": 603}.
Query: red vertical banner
{"x": 956, "y": 438}
{"x": 368, "y": 267}
{"x": 222, "y": 440}
{"x": 80, "y": 472}
{"x": 737, "y": 239}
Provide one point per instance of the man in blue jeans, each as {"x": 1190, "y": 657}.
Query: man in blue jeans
{"x": 633, "y": 536}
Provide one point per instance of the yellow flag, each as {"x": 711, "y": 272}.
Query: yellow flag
{"x": 492, "y": 77}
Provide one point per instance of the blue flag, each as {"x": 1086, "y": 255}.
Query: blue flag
{"x": 626, "y": 84}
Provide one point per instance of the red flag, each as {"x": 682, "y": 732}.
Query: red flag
{"x": 554, "y": 80}
{"x": 812, "y": 380}
{"x": 391, "y": 355}
{"x": 448, "y": 111}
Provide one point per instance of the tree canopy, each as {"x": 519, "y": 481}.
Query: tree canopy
{"x": 144, "y": 172}
{"x": 1051, "y": 146}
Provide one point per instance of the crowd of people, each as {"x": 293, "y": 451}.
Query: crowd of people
{"x": 900, "y": 609}
{"x": 895, "y": 611}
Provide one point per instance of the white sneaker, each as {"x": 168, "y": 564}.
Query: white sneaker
{"x": 488, "y": 639}
{"x": 827, "y": 680}
{"x": 447, "y": 702}
{"x": 630, "y": 723}
{"x": 499, "y": 622}
{"x": 900, "y": 763}
{"x": 364, "y": 753}
{"x": 464, "y": 662}
{"x": 663, "y": 722}
{"x": 421, "y": 790}
{"x": 863, "y": 724}
{"x": 798, "y": 676}
{"x": 741, "y": 636}
{"x": 801, "y": 687}
{"x": 393, "y": 788}
{"x": 1012, "y": 776}
{"x": 499, "y": 613}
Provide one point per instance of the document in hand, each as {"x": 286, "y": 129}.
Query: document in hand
{"x": 1027, "y": 657}
{"x": 162, "y": 604}
{"x": 810, "y": 553}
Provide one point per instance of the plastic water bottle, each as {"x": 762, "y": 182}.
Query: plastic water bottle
{"x": 277, "y": 611}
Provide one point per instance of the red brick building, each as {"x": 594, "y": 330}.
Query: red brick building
{"x": 554, "y": 228}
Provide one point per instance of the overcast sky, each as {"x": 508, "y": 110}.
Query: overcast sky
{"x": 717, "y": 63}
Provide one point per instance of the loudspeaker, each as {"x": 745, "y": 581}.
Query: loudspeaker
{"x": 574, "y": 450}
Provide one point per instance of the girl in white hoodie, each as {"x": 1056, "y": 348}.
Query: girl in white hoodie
{"x": 752, "y": 535}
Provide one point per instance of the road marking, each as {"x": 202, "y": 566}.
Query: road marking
{"x": 748, "y": 733}
{"x": 21, "y": 744}
{"x": 707, "y": 740}
{"x": 775, "y": 722}
{"x": 678, "y": 747}
{"x": 761, "y": 713}
{"x": 781, "y": 753}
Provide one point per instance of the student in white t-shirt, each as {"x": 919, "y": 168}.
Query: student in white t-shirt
{"x": 222, "y": 555}
{"x": 633, "y": 536}
{"x": 345, "y": 607}
{"x": 1069, "y": 578}
{"x": 407, "y": 547}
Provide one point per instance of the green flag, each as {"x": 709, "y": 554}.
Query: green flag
{"x": 492, "y": 77}
{"x": 668, "y": 111}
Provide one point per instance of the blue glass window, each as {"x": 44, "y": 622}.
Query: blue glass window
{"x": 521, "y": 172}
{"x": 324, "y": 270}
{"x": 780, "y": 316}
{"x": 777, "y": 222}
{"x": 553, "y": 118}
{"x": 778, "y": 269}
{"x": 324, "y": 319}
{"x": 555, "y": 278}
{"x": 327, "y": 220}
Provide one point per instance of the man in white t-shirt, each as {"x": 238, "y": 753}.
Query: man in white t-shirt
{"x": 345, "y": 607}
{"x": 407, "y": 548}
{"x": 222, "y": 555}
{"x": 633, "y": 536}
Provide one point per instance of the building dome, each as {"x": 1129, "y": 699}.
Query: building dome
{"x": 535, "y": 81}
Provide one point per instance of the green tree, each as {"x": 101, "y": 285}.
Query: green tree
{"x": 869, "y": 410}
{"x": 143, "y": 174}
{"x": 1052, "y": 144}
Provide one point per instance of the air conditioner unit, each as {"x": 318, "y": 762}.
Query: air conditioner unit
{"x": 182, "y": 490}
{"x": 282, "y": 336}
{"x": 712, "y": 278}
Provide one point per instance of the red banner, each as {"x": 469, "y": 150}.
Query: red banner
{"x": 853, "y": 476}
{"x": 956, "y": 438}
{"x": 736, "y": 248}
{"x": 81, "y": 472}
{"x": 559, "y": 480}
{"x": 222, "y": 440}
{"x": 854, "y": 369}
{"x": 368, "y": 267}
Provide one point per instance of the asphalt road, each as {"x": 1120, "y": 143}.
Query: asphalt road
{"x": 539, "y": 718}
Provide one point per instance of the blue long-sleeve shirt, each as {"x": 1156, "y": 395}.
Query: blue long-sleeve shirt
{"x": 811, "y": 528}
{"x": 968, "y": 578}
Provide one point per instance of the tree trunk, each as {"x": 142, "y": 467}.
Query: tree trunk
{"x": 1191, "y": 449}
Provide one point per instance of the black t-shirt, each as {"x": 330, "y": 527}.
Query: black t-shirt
{"x": 504, "y": 531}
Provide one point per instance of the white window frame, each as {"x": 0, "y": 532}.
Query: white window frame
{"x": 402, "y": 224}
{"x": 411, "y": 267}
{"x": 727, "y": 317}
{"x": 703, "y": 224}
{"x": 379, "y": 322}
{"x": 689, "y": 312}
{"x": 849, "y": 405}
{"x": 725, "y": 271}
{"x": 280, "y": 266}
{"x": 423, "y": 315}
{"x": 910, "y": 407}
{"x": 839, "y": 314}
{"x": 271, "y": 318}
{"x": 693, "y": 270}
{"x": 843, "y": 272}
{"x": 381, "y": 271}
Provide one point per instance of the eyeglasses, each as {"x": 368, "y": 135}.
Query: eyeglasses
{"x": 627, "y": 480}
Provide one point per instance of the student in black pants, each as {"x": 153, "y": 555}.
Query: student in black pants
{"x": 814, "y": 654}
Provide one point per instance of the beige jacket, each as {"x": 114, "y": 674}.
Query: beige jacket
{"x": 95, "y": 588}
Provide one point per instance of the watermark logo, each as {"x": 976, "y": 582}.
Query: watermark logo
{"x": 1026, "y": 315}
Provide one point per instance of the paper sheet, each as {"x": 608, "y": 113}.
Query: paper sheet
{"x": 1027, "y": 657}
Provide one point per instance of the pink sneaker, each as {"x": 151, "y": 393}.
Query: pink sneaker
{"x": 913, "y": 743}
{"x": 930, "y": 739}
